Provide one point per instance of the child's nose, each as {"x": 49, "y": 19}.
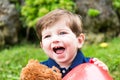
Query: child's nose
{"x": 55, "y": 39}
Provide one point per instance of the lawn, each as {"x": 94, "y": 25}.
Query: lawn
{"x": 13, "y": 59}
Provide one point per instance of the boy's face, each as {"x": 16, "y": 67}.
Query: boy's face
{"x": 60, "y": 43}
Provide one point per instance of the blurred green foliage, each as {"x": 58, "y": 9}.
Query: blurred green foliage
{"x": 116, "y": 4}
{"x": 32, "y": 10}
{"x": 93, "y": 12}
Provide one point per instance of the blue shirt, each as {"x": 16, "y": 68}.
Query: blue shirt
{"x": 79, "y": 59}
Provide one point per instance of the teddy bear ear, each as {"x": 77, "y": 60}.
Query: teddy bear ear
{"x": 88, "y": 71}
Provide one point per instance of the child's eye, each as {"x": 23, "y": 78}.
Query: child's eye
{"x": 62, "y": 33}
{"x": 47, "y": 36}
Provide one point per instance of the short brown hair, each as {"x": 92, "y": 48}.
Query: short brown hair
{"x": 73, "y": 21}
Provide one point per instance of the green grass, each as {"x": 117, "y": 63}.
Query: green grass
{"x": 13, "y": 59}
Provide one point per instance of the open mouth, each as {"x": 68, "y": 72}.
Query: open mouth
{"x": 58, "y": 50}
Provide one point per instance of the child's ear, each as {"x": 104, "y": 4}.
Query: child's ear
{"x": 81, "y": 39}
{"x": 41, "y": 45}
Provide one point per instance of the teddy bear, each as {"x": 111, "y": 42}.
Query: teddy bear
{"x": 36, "y": 71}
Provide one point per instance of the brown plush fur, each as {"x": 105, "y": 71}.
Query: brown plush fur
{"x": 36, "y": 71}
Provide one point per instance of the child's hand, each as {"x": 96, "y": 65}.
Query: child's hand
{"x": 99, "y": 63}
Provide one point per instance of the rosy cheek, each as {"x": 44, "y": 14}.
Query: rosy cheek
{"x": 46, "y": 46}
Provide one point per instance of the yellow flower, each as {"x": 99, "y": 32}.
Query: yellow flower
{"x": 104, "y": 45}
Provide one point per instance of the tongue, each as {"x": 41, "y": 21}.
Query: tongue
{"x": 59, "y": 51}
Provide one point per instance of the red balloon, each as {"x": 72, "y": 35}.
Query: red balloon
{"x": 88, "y": 71}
